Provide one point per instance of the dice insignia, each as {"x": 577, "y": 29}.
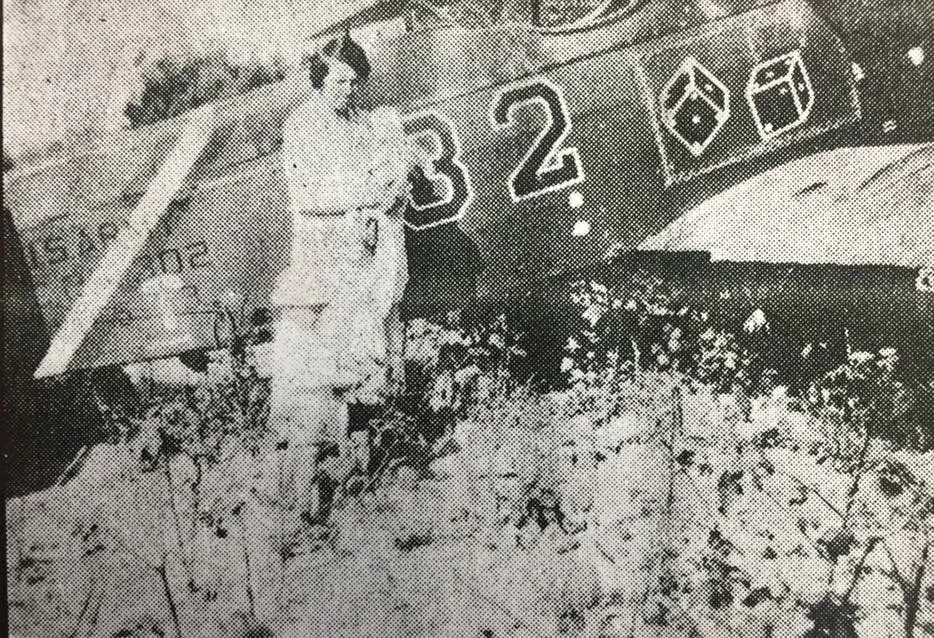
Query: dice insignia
{"x": 780, "y": 94}
{"x": 695, "y": 105}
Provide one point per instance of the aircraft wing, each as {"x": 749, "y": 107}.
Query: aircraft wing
{"x": 125, "y": 242}
{"x": 848, "y": 206}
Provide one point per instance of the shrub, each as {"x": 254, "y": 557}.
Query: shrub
{"x": 866, "y": 396}
{"x": 644, "y": 324}
{"x": 173, "y": 86}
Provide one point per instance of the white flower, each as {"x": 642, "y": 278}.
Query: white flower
{"x": 861, "y": 357}
{"x": 593, "y": 314}
{"x": 572, "y": 345}
{"x": 464, "y": 375}
{"x": 888, "y": 359}
{"x": 631, "y": 305}
{"x": 755, "y": 322}
{"x": 567, "y": 363}
{"x": 453, "y": 337}
{"x": 600, "y": 293}
{"x": 418, "y": 326}
{"x": 729, "y": 362}
{"x": 708, "y": 335}
{"x": 498, "y": 341}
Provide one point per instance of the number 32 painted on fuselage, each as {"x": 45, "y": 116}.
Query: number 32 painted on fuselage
{"x": 544, "y": 168}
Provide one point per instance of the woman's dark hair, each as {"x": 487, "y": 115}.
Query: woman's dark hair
{"x": 343, "y": 49}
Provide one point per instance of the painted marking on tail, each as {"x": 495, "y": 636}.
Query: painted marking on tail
{"x": 115, "y": 263}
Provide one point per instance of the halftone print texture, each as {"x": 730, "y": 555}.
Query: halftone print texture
{"x": 573, "y": 318}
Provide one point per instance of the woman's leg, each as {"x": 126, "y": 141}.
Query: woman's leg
{"x": 394, "y": 334}
{"x": 381, "y": 380}
{"x": 360, "y": 416}
{"x": 326, "y": 416}
{"x": 306, "y": 417}
{"x": 297, "y": 468}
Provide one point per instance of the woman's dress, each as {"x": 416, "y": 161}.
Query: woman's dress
{"x": 347, "y": 269}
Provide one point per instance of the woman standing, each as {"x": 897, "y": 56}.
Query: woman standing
{"x": 338, "y": 334}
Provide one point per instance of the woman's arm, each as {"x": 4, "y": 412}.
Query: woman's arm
{"x": 397, "y": 155}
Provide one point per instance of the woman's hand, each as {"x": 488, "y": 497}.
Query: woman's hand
{"x": 386, "y": 182}
{"x": 419, "y": 157}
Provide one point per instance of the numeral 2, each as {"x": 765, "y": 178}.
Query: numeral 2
{"x": 546, "y": 166}
{"x": 442, "y": 194}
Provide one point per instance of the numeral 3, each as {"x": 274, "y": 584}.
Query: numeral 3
{"x": 442, "y": 193}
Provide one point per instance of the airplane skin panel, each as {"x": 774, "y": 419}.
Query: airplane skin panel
{"x": 428, "y": 67}
{"x": 619, "y": 161}
{"x": 118, "y": 256}
{"x": 87, "y": 182}
{"x": 65, "y": 235}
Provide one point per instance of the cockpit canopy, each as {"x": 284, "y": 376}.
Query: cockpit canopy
{"x": 542, "y": 14}
{"x": 556, "y": 15}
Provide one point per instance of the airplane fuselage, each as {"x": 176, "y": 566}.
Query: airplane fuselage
{"x": 551, "y": 150}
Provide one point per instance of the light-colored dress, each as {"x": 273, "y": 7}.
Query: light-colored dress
{"x": 347, "y": 270}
